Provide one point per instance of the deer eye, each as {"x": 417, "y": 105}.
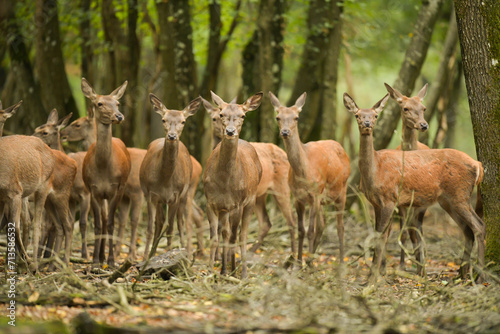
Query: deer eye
{"x": 243, "y": 116}
{"x": 214, "y": 119}
{"x": 221, "y": 116}
{"x": 45, "y": 133}
{"x": 99, "y": 104}
{"x": 357, "y": 116}
{"x": 164, "y": 120}
{"x": 77, "y": 125}
{"x": 183, "y": 122}
{"x": 296, "y": 118}
{"x": 406, "y": 109}
{"x": 425, "y": 109}
{"x": 277, "y": 118}
{"x": 376, "y": 116}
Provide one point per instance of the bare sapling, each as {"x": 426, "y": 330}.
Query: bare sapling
{"x": 318, "y": 176}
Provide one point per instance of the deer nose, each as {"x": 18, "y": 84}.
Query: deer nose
{"x": 230, "y": 131}
{"x": 172, "y": 136}
{"x": 367, "y": 124}
{"x": 119, "y": 117}
{"x": 424, "y": 126}
{"x": 285, "y": 133}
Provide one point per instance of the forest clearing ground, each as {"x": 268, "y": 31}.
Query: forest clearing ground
{"x": 320, "y": 298}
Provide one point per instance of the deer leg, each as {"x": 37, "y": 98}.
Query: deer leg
{"x": 312, "y": 225}
{"x": 198, "y": 220}
{"x": 98, "y": 233}
{"x": 214, "y": 235}
{"x": 48, "y": 236}
{"x": 245, "y": 221}
{"x": 123, "y": 212}
{"x": 40, "y": 198}
{"x": 62, "y": 210}
{"x": 188, "y": 211}
{"x": 181, "y": 210}
{"x": 234, "y": 221}
{"x": 151, "y": 220}
{"x": 26, "y": 221}
{"x": 340, "y": 206}
{"x": 286, "y": 209}
{"x": 403, "y": 233}
{"x": 383, "y": 226}
{"x": 264, "y": 221}
{"x": 171, "y": 214}
{"x": 113, "y": 205}
{"x": 52, "y": 217}
{"x": 189, "y": 228}
{"x": 84, "y": 213}
{"x": 416, "y": 238}
{"x": 224, "y": 223}
{"x": 14, "y": 208}
{"x": 319, "y": 225}
{"x": 135, "y": 215}
{"x": 300, "y": 208}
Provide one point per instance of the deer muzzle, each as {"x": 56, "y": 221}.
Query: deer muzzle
{"x": 231, "y": 131}
{"x": 285, "y": 133}
{"x": 172, "y": 136}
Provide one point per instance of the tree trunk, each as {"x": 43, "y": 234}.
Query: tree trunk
{"x": 86, "y": 46}
{"x": 318, "y": 70}
{"x": 452, "y": 110}
{"x": 479, "y": 34}
{"x": 410, "y": 70}
{"x": 49, "y": 62}
{"x": 21, "y": 83}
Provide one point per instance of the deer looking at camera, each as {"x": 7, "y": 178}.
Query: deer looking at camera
{"x": 413, "y": 121}
{"x": 165, "y": 174}
{"x": 105, "y": 168}
{"x": 231, "y": 178}
{"x": 318, "y": 175}
{"x": 274, "y": 180}
{"x": 418, "y": 179}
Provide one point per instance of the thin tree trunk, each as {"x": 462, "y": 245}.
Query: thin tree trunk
{"x": 49, "y": 61}
{"x": 452, "y": 110}
{"x": 479, "y": 34}
{"x": 86, "y": 46}
{"x": 410, "y": 70}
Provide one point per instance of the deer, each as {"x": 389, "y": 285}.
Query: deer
{"x": 317, "y": 176}
{"x": 166, "y": 172}
{"x": 274, "y": 180}
{"x": 106, "y": 167}
{"x": 231, "y": 179}
{"x": 7, "y": 113}
{"x": 83, "y": 129}
{"x": 413, "y": 121}
{"x": 26, "y": 169}
{"x": 391, "y": 178}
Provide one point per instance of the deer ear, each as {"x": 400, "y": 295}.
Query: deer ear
{"x": 90, "y": 112}
{"x": 253, "y": 102}
{"x": 394, "y": 93}
{"x": 349, "y": 103}
{"x": 12, "y": 109}
{"x": 157, "y": 104}
{"x": 379, "y": 106}
{"x": 217, "y": 100}
{"x": 53, "y": 117}
{"x": 192, "y": 107}
{"x": 422, "y": 92}
{"x": 274, "y": 100}
{"x": 233, "y": 101}
{"x": 63, "y": 122}
{"x": 88, "y": 91}
{"x": 301, "y": 101}
{"x": 208, "y": 106}
{"x": 118, "y": 93}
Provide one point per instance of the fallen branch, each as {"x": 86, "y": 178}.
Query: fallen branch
{"x": 120, "y": 271}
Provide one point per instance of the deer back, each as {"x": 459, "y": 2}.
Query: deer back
{"x": 275, "y": 166}
{"x": 64, "y": 173}
{"x": 78, "y": 186}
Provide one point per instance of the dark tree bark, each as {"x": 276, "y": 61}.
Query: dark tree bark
{"x": 49, "y": 62}
{"x": 439, "y": 83}
{"x": 410, "y": 70}
{"x": 452, "y": 110}
{"x": 86, "y": 47}
{"x": 318, "y": 71}
{"x": 479, "y": 34}
{"x": 21, "y": 84}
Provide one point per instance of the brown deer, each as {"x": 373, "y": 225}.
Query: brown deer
{"x": 418, "y": 179}
{"x": 83, "y": 128}
{"x": 318, "y": 175}
{"x": 274, "y": 180}
{"x": 412, "y": 116}
{"x": 166, "y": 172}
{"x": 7, "y": 113}
{"x": 105, "y": 168}
{"x": 231, "y": 178}
{"x": 26, "y": 168}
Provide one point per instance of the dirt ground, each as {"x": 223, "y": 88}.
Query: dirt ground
{"x": 321, "y": 298}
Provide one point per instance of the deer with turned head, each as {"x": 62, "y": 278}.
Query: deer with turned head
{"x": 318, "y": 175}
{"x": 417, "y": 179}
{"x": 105, "y": 168}
{"x": 166, "y": 173}
{"x": 59, "y": 222}
{"x": 231, "y": 178}
{"x": 413, "y": 121}
{"x": 274, "y": 180}
{"x": 7, "y": 113}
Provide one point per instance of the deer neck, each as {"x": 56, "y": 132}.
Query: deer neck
{"x": 1, "y": 129}
{"x": 169, "y": 157}
{"x": 367, "y": 165}
{"x": 90, "y": 137}
{"x": 227, "y": 155}
{"x": 296, "y": 154}
{"x": 410, "y": 139}
{"x": 103, "y": 144}
{"x": 215, "y": 140}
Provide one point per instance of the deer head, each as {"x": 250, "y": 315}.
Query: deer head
{"x": 105, "y": 106}
{"x": 287, "y": 117}
{"x": 174, "y": 120}
{"x": 80, "y": 128}
{"x": 49, "y": 132}
{"x": 412, "y": 109}
{"x": 8, "y": 112}
{"x": 366, "y": 118}
{"x": 232, "y": 115}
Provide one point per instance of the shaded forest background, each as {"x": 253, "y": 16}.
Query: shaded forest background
{"x": 182, "y": 49}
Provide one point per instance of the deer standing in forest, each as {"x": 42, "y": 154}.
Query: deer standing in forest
{"x": 318, "y": 175}
{"x": 59, "y": 220}
{"x": 413, "y": 121}
{"x": 7, "y": 113}
{"x": 417, "y": 179}
{"x": 105, "y": 168}
{"x": 274, "y": 180}
{"x": 166, "y": 173}
{"x": 231, "y": 178}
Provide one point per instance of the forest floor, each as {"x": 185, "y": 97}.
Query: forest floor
{"x": 321, "y": 298}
